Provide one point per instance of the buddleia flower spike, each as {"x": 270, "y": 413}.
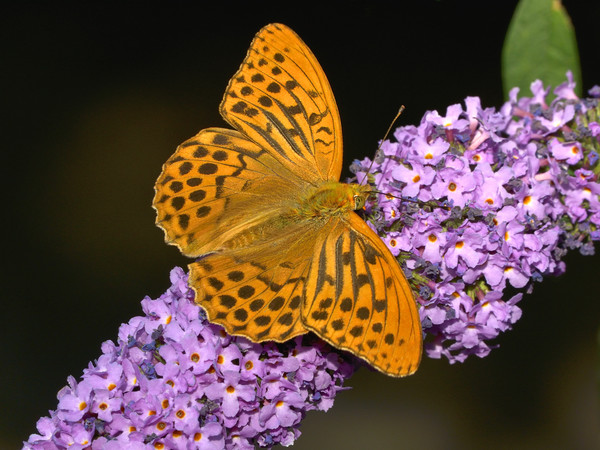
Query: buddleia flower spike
{"x": 496, "y": 199}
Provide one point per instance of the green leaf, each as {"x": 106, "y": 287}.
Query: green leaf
{"x": 540, "y": 44}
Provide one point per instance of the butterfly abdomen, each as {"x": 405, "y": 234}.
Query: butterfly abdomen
{"x": 259, "y": 233}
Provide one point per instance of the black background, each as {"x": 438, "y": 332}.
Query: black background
{"x": 95, "y": 98}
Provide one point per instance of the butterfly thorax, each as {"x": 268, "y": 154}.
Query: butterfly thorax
{"x": 332, "y": 199}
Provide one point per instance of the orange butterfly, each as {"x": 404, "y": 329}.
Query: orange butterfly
{"x": 283, "y": 252}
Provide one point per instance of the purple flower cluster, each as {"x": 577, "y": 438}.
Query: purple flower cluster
{"x": 175, "y": 381}
{"x": 490, "y": 198}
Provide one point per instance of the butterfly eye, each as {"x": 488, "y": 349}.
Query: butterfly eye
{"x": 359, "y": 202}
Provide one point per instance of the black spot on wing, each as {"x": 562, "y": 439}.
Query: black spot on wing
{"x": 227, "y": 301}
{"x": 257, "y": 304}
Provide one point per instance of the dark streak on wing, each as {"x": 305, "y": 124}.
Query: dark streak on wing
{"x": 339, "y": 266}
{"x": 315, "y": 88}
{"x": 327, "y": 144}
{"x": 322, "y": 269}
{"x": 285, "y": 112}
{"x": 353, "y": 264}
{"x": 284, "y": 131}
{"x": 308, "y": 77}
{"x": 272, "y": 143}
{"x": 297, "y": 127}
{"x": 370, "y": 276}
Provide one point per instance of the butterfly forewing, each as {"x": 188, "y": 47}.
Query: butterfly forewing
{"x": 281, "y": 99}
{"x": 358, "y": 299}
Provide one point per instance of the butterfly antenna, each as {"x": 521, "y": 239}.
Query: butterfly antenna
{"x": 376, "y": 191}
{"x": 383, "y": 140}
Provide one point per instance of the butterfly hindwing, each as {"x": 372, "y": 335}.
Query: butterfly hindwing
{"x": 204, "y": 190}
{"x": 281, "y": 99}
{"x": 257, "y": 292}
{"x": 358, "y": 299}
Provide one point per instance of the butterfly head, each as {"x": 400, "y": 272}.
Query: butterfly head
{"x": 360, "y": 194}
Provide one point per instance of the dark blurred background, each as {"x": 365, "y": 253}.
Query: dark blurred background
{"x": 96, "y": 97}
